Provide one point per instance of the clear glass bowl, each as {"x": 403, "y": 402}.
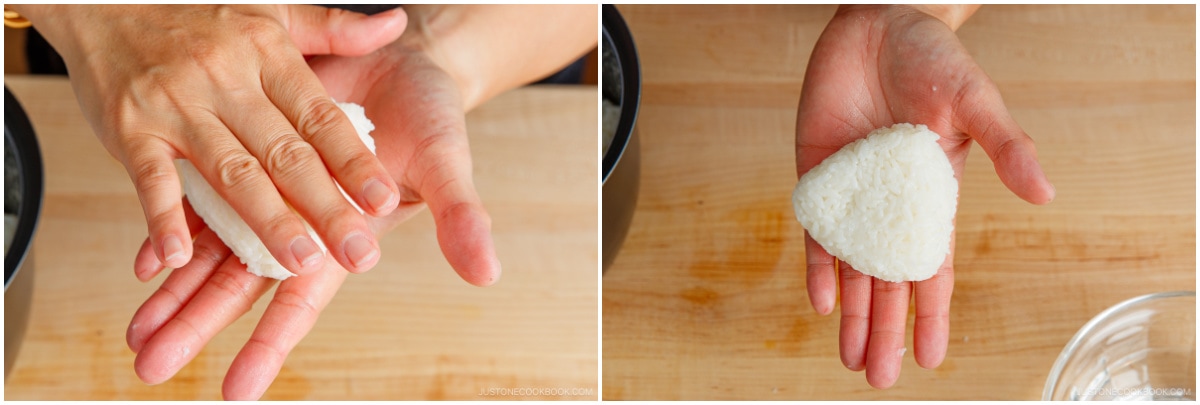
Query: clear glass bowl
{"x": 1141, "y": 349}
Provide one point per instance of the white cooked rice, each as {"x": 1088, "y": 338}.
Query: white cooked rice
{"x": 884, "y": 204}
{"x": 230, "y": 227}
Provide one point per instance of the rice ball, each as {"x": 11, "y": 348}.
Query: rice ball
{"x": 885, "y": 204}
{"x": 229, "y": 226}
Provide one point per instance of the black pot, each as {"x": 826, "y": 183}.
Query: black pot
{"x": 23, "y": 156}
{"x": 621, "y": 169}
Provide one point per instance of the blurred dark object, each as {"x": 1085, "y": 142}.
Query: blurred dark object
{"x": 622, "y": 158}
{"x": 43, "y": 60}
{"x": 572, "y": 74}
{"x": 25, "y": 189}
{"x": 368, "y": 9}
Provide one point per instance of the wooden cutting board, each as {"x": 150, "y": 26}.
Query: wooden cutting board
{"x": 409, "y": 329}
{"x": 707, "y": 297}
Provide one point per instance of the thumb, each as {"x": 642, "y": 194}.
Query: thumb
{"x": 464, "y": 228}
{"x": 323, "y": 31}
{"x": 1011, "y": 150}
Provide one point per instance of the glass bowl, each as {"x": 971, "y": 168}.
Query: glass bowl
{"x": 1141, "y": 349}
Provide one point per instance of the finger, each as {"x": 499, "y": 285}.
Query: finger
{"x": 297, "y": 92}
{"x": 146, "y": 265}
{"x": 464, "y": 228}
{"x": 321, "y": 31}
{"x": 885, "y": 346}
{"x": 150, "y": 166}
{"x": 303, "y": 180}
{"x": 288, "y": 318}
{"x": 856, "y": 316}
{"x": 241, "y": 181}
{"x": 931, "y": 333}
{"x": 226, "y": 295}
{"x": 177, "y": 290}
{"x": 822, "y": 280}
{"x": 1012, "y": 151}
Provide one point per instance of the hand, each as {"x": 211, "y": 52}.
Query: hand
{"x": 875, "y": 66}
{"x": 227, "y": 87}
{"x": 420, "y": 135}
{"x": 208, "y": 294}
{"x": 415, "y": 91}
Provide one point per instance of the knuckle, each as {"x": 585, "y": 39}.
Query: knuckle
{"x": 855, "y": 317}
{"x": 203, "y": 52}
{"x": 307, "y": 308}
{"x": 318, "y": 120}
{"x": 937, "y": 317}
{"x": 268, "y": 347}
{"x": 210, "y": 254}
{"x": 463, "y": 209}
{"x": 281, "y": 226}
{"x": 263, "y": 33}
{"x": 213, "y": 61}
{"x": 854, "y": 276}
{"x": 886, "y": 332}
{"x": 358, "y": 161}
{"x": 289, "y": 157}
{"x": 886, "y": 287}
{"x": 173, "y": 292}
{"x": 150, "y": 174}
{"x": 339, "y": 211}
{"x": 437, "y": 175}
{"x": 240, "y": 289}
{"x": 161, "y": 218}
{"x": 196, "y": 335}
{"x": 236, "y": 170}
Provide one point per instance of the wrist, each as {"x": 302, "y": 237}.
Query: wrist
{"x": 429, "y": 30}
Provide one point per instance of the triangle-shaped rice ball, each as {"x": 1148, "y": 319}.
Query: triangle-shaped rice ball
{"x": 884, "y": 204}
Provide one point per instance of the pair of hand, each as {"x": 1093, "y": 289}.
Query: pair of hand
{"x": 229, "y": 88}
{"x": 875, "y": 66}
{"x": 420, "y": 135}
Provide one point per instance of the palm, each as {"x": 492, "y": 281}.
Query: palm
{"x": 420, "y": 136}
{"x": 910, "y": 71}
{"x": 871, "y": 68}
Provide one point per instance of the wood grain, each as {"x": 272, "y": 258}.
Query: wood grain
{"x": 707, "y": 297}
{"x": 409, "y": 329}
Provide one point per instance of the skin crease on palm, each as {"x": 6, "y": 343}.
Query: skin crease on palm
{"x": 416, "y": 91}
{"x": 875, "y": 66}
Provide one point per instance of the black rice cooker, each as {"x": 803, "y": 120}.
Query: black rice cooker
{"x": 23, "y": 193}
{"x": 621, "y": 166}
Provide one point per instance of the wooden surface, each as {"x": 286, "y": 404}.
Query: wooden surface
{"x": 707, "y": 297}
{"x": 409, "y": 329}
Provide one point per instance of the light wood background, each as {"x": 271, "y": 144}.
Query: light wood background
{"x": 409, "y": 329}
{"x": 707, "y": 298}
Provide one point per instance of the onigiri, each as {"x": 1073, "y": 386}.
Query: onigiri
{"x": 884, "y": 204}
{"x": 225, "y": 222}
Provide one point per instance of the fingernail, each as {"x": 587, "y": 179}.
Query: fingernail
{"x": 379, "y": 196}
{"x": 173, "y": 250}
{"x": 359, "y": 250}
{"x": 307, "y": 253}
